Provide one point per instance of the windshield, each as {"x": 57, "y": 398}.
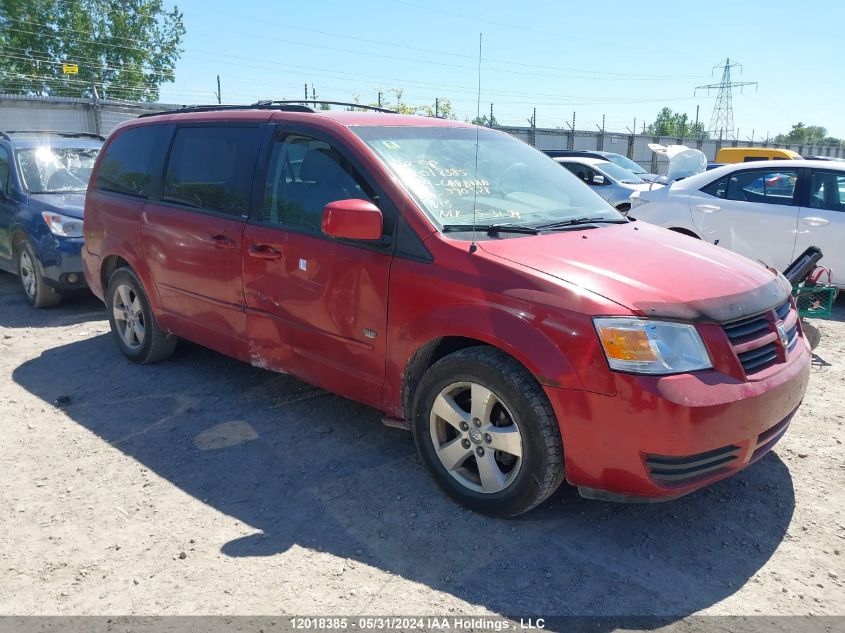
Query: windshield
{"x": 514, "y": 183}
{"x": 627, "y": 163}
{"x": 620, "y": 174}
{"x": 48, "y": 169}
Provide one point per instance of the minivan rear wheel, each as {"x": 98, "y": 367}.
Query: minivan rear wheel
{"x": 36, "y": 291}
{"x": 132, "y": 321}
{"x": 486, "y": 430}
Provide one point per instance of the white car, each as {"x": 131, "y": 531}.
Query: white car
{"x": 769, "y": 211}
{"x": 612, "y": 182}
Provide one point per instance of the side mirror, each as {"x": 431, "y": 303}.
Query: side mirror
{"x": 353, "y": 220}
{"x": 598, "y": 179}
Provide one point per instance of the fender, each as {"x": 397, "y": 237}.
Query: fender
{"x": 117, "y": 246}
{"x": 525, "y": 337}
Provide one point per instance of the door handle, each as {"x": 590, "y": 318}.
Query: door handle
{"x": 221, "y": 241}
{"x": 263, "y": 251}
{"x": 708, "y": 208}
{"x": 814, "y": 221}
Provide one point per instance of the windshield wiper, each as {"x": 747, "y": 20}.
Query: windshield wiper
{"x": 492, "y": 229}
{"x": 578, "y": 221}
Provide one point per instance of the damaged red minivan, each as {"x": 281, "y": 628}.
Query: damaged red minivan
{"x": 456, "y": 279}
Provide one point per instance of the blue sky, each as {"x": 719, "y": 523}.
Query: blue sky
{"x": 624, "y": 60}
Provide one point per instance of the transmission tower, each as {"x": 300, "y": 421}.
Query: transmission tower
{"x": 722, "y": 121}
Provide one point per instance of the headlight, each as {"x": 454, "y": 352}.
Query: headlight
{"x": 62, "y": 225}
{"x": 637, "y": 201}
{"x": 651, "y": 347}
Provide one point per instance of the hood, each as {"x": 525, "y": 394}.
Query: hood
{"x": 71, "y": 204}
{"x": 650, "y": 270}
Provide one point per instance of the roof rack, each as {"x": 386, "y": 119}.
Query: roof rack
{"x": 56, "y": 132}
{"x": 359, "y": 106}
{"x": 285, "y": 106}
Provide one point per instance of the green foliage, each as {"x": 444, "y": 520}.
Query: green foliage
{"x": 486, "y": 121}
{"x": 395, "y": 101}
{"x": 126, "y": 48}
{"x": 807, "y": 135}
{"x": 675, "y": 124}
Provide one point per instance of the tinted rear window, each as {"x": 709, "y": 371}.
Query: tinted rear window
{"x": 211, "y": 168}
{"x": 128, "y": 163}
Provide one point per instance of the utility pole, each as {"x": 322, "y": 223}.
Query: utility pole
{"x": 313, "y": 93}
{"x": 436, "y": 107}
{"x": 571, "y": 143}
{"x": 379, "y": 98}
{"x": 306, "y": 91}
{"x": 697, "y": 134}
{"x": 490, "y": 122}
{"x": 723, "y": 111}
{"x": 218, "y": 90}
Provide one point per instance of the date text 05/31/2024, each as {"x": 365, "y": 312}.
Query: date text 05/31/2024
{"x": 388, "y": 623}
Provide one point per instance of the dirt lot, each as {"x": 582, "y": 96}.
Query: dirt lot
{"x": 202, "y": 485}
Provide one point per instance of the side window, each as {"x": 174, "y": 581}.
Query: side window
{"x": 718, "y": 188}
{"x": 769, "y": 187}
{"x": 127, "y": 165}
{"x": 827, "y": 191}
{"x": 5, "y": 171}
{"x": 211, "y": 168}
{"x": 580, "y": 170}
{"x": 305, "y": 175}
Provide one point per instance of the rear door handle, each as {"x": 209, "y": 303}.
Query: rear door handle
{"x": 263, "y": 251}
{"x": 708, "y": 208}
{"x": 814, "y": 221}
{"x": 221, "y": 241}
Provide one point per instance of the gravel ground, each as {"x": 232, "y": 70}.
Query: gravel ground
{"x": 201, "y": 485}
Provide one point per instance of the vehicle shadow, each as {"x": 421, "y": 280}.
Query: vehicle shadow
{"x": 79, "y": 306}
{"x": 307, "y": 468}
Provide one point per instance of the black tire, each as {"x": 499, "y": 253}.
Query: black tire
{"x": 155, "y": 344}
{"x": 36, "y": 291}
{"x": 540, "y": 472}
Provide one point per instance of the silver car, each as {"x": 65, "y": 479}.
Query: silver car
{"x": 612, "y": 182}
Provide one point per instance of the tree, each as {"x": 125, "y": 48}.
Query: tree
{"x": 125, "y": 49}
{"x": 675, "y": 124}
{"x": 807, "y": 135}
{"x": 485, "y": 121}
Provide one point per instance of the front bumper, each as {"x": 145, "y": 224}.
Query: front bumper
{"x": 61, "y": 262}
{"x": 663, "y": 437}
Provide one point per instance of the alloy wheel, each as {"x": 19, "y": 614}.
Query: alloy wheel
{"x": 128, "y": 316}
{"x": 27, "y": 273}
{"x": 475, "y": 437}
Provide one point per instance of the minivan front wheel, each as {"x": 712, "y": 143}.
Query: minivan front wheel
{"x": 486, "y": 430}
{"x": 132, "y": 321}
{"x": 38, "y": 294}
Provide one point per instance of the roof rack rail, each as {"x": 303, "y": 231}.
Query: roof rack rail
{"x": 286, "y": 106}
{"x": 360, "y": 106}
{"x": 219, "y": 108}
{"x": 56, "y": 132}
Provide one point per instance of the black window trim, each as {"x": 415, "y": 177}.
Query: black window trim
{"x": 159, "y": 182}
{"x": 278, "y": 131}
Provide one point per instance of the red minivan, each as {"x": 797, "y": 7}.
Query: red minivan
{"x": 456, "y": 279}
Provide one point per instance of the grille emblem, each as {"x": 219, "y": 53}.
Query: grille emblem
{"x": 782, "y": 333}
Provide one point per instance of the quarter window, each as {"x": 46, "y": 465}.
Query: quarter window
{"x": 211, "y": 168}
{"x": 827, "y": 191}
{"x": 127, "y": 166}
{"x": 718, "y": 188}
{"x": 305, "y": 175}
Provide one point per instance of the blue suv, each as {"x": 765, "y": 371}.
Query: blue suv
{"x": 43, "y": 178}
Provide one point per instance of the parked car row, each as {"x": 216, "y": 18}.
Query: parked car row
{"x": 475, "y": 291}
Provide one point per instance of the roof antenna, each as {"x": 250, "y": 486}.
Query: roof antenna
{"x": 474, "y": 245}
